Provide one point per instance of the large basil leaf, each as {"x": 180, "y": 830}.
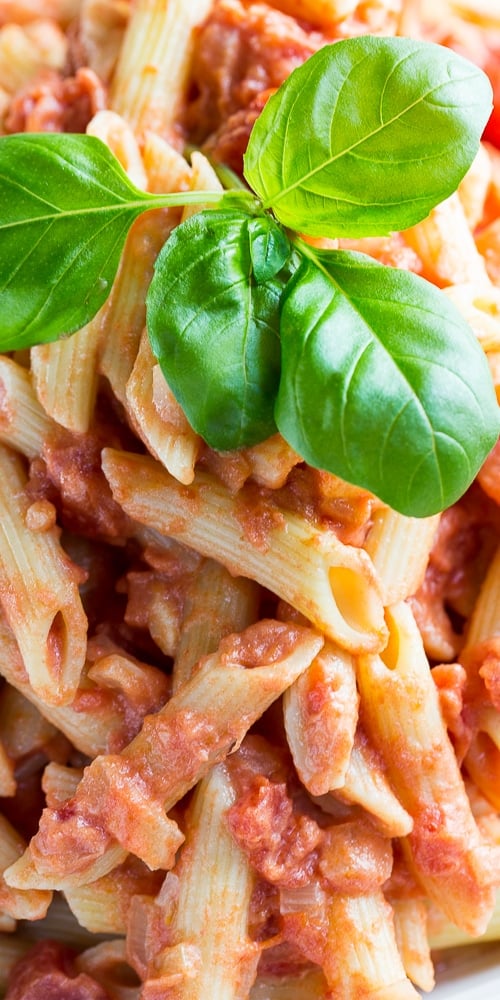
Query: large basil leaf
{"x": 383, "y": 383}
{"x": 367, "y": 136}
{"x": 213, "y": 322}
{"x": 65, "y": 208}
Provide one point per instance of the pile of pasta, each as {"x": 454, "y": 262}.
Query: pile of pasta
{"x": 249, "y": 717}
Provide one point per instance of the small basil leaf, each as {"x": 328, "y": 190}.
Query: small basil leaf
{"x": 65, "y": 208}
{"x": 383, "y": 382}
{"x": 367, "y": 136}
{"x": 214, "y": 328}
{"x": 269, "y": 248}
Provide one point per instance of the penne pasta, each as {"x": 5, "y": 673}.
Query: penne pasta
{"x": 24, "y": 424}
{"x": 218, "y": 705}
{"x": 361, "y": 929}
{"x": 366, "y": 784}
{"x": 210, "y": 918}
{"x": 428, "y": 784}
{"x": 151, "y": 74}
{"x": 332, "y": 584}
{"x": 446, "y": 246}
{"x": 51, "y": 633}
{"x": 410, "y": 925}
{"x": 158, "y": 418}
{"x": 72, "y": 363}
{"x": 321, "y": 714}
{"x": 216, "y": 605}
{"x": 399, "y": 548}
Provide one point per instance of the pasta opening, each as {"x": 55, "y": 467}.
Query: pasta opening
{"x": 57, "y": 644}
{"x": 390, "y": 654}
{"x": 354, "y": 597}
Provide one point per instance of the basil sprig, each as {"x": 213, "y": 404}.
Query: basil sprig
{"x": 367, "y": 371}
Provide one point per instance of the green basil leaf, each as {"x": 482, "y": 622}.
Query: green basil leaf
{"x": 65, "y": 209}
{"x": 269, "y": 248}
{"x": 367, "y": 136}
{"x": 383, "y": 382}
{"x": 214, "y": 326}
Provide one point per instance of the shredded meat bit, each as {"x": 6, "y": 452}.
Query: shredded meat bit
{"x": 69, "y": 474}
{"x": 262, "y": 643}
{"x": 48, "y": 972}
{"x": 490, "y": 673}
{"x": 307, "y": 932}
{"x": 318, "y": 497}
{"x": 481, "y": 665}
{"x": 54, "y": 103}
{"x": 288, "y": 840}
{"x": 281, "y": 846}
{"x": 450, "y": 680}
{"x": 228, "y": 144}
{"x": 241, "y": 51}
{"x": 329, "y": 502}
{"x": 355, "y": 859}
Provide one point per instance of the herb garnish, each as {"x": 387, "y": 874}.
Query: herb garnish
{"x": 368, "y": 371}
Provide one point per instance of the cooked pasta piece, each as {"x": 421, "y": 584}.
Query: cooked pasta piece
{"x": 321, "y": 714}
{"x": 210, "y": 916}
{"x": 483, "y": 12}
{"x": 123, "y": 316}
{"x": 332, "y": 584}
{"x": 410, "y": 924}
{"x": 446, "y": 246}
{"x": 151, "y": 75}
{"x": 480, "y": 306}
{"x": 484, "y": 621}
{"x": 399, "y": 548}
{"x": 444, "y": 934}
{"x": 103, "y": 907}
{"x": 166, "y": 168}
{"x": 473, "y": 188}
{"x": 24, "y": 424}
{"x": 106, "y": 964}
{"x": 155, "y": 413}
{"x": 362, "y": 957}
{"x": 18, "y": 904}
{"x": 216, "y": 604}
{"x": 366, "y": 784}
{"x": 51, "y": 630}
{"x": 24, "y": 51}
{"x": 101, "y": 30}
{"x": 125, "y": 798}
{"x": 59, "y": 783}
{"x": 203, "y": 178}
{"x": 98, "y": 720}
{"x": 158, "y": 418}
{"x": 271, "y": 461}
{"x": 446, "y": 852}
{"x": 72, "y": 363}
{"x": 117, "y": 134}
